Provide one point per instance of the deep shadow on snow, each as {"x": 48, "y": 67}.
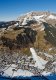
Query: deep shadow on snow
{"x": 50, "y": 77}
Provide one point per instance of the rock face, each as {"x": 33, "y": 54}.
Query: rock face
{"x": 50, "y": 33}
{"x": 27, "y": 37}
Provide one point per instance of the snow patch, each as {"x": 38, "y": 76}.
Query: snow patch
{"x": 54, "y": 63}
{"x": 51, "y": 17}
{"x": 16, "y": 24}
{"x": 24, "y": 21}
{"x": 48, "y": 55}
{"x": 50, "y": 49}
{"x": 39, "y": 18}
{"x": 40, "y": 63}
{"x": 8, "y": 72}
{"x": 19, "y": 72}
{"x": 42, "y": 27}
{"x": 45, "y": 73}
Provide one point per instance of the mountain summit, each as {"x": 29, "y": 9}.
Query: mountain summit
{"x": 37, "y": 16}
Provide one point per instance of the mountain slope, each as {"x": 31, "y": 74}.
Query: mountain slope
{"x": 37, "y": 29}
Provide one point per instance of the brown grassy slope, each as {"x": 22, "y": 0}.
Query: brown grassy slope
{"x": 40, "y": 43}
{"x": 12, "y": 34}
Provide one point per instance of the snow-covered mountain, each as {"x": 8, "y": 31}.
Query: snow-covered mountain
{"x": 42, "y": 23}
{"x": 36, "y": 16}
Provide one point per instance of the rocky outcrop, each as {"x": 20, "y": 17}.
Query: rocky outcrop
{"x": 50, "y": 33}
{"x": 28, "y": 36}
